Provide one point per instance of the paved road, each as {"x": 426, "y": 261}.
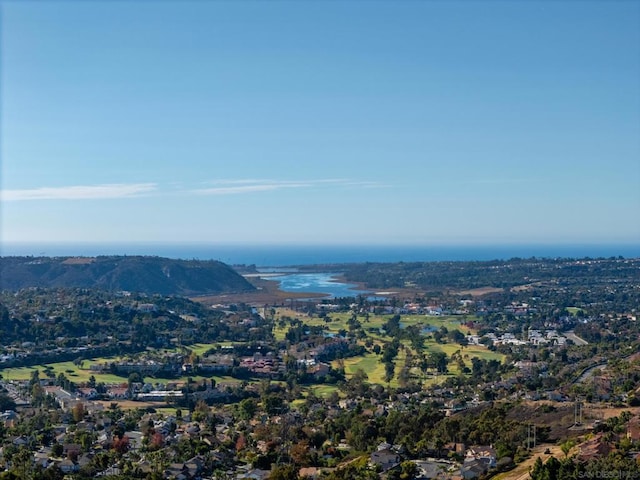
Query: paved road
{"x": 575, "y": 339}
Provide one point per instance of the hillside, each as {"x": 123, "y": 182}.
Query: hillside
{"x": 114, "y": 273}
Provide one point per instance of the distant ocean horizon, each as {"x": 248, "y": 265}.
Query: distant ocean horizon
{"x": 289, "y": 255}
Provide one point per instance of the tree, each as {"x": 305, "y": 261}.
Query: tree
{"x": 566, "y": 447}
{"x": 121, "y": 444}
{"x": 300, "y": 453}
{"x": 51, "y": 473}
{"x": 283, "y": 472}
{"x": 78, "y": 412}
{"x": 35, "y": 377}
{"x": 357, "y": 385}
{"x": 22, "y": 463}
{"x": 273, "y": 404}
{"x": 201, "y": 411}
{"x": 408, "y": 471}
{"x": 438, "y": 360}
{"x": 37, "y": 395}
{"x": 6, "y": 402}
{"x": 247, "y": 408}
{"x": 57, "y": 450}
{"x": 389, "y": 370}
{"x": 135, "y": 377}
{"x": 153, "y": 439}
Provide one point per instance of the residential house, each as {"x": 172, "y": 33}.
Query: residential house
{"x": 310, "y": 473}
{"x": 71, "y": 450}
{"x": 432, "y": 469}
{"x": 386, "y": 459}
{"x": 9, "y": 418}
{"x": 41, "y": 457}
{"x": 473, "y": 469}
{"x": 118, "y": 392}
{"x": 633, "y": 429}
{"x": 21, "y": 441}
{"x": 89, "y": 393}
{"x": 255, "y": 474}
{"x": 485, "y": 454}
{"x": 67, "y": 466}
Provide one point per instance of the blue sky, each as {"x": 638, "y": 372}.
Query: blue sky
{"x": 321, "y": 122}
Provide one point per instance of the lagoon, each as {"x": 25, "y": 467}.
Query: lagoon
{"x": 325, "y": 283}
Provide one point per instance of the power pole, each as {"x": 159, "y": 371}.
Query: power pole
{"x": 531, "y": 435}
{"x": 577, "y": 415}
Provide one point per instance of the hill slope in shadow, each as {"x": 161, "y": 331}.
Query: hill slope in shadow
{"x": 129, "y": 273}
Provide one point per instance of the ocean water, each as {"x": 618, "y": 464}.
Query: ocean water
{"x": 287, "y": 255}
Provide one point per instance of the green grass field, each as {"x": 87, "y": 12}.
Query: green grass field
{"x": 370, "y": 363}
{"x": 324, "y": 390}
{"x": 81, "y": 375}
{"x": 71, "y": 371}
{"x": 202, "y": 348}
{"x": 339, "y": 322}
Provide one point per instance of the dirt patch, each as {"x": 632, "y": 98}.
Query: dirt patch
{"x": 130, "y": 404}
{"x": 557, "y": 417}
{"x": 560, "y": 416}
{"x": 78, "y": 261}
{"x": 610, "y": 412}
{"x": 478, "y": 292}
{"x": 521, "y": 472}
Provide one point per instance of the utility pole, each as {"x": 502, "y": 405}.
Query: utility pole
{"x": 577, "y": 416}
{"x": 531, "y": 435}
{"x": 534, "y": 436}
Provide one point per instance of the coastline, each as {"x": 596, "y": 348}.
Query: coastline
{"x": 298, "y": 255}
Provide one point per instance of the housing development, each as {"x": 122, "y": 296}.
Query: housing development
{"x": 526, "y": 368}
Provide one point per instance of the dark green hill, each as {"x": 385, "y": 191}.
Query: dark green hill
{"x": 136, "y": 274}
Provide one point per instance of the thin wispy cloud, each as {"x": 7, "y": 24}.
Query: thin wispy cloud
{"x": 79, "y": 192}
{"x": 235, "y": 187}
{"x": 497, "y": 181}
{"x": 131, "y": 190}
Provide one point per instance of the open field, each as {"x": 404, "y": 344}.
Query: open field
{"x": 131, "y": 404}
{"x": 478, "y": 292}
{"x": 467, "y": 352}
{"x": 82, "y": 374}
{"x": 323, "y": 390}
{"x": 71, "y": 371}
{"x": 338, "y": 321}
{"x": 201, "y": 348}
{"x": 368, "y": 363}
